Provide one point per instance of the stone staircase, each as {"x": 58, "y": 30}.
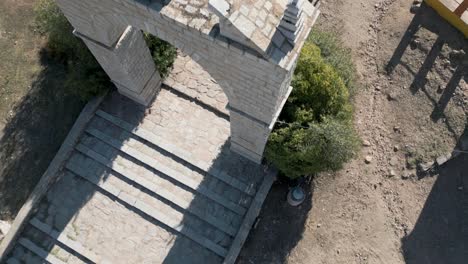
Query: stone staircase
{"x": 156, "y": 185}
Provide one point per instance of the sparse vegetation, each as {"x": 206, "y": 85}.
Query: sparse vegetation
{"x": 164, "y": 54}
{"x": 315, "y": 130}
{"x": 322, "y": 146}
{"x": 85, "y": 77}
{"x": 336, "y": 54}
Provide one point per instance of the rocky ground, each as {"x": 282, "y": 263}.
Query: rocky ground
{"x": 384, "y": 207}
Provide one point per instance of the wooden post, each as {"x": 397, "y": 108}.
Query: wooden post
{"x": 461, "y": 8}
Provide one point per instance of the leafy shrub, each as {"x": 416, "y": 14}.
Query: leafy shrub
{"x": 85, "y": 77}
{"x": 297, "y": 151}
{"x": 318, "y": 89}
{"x": 315, "y": 132}
{"x": 51, "y": 22}
{"x": 164, "y": 54}
{"x": 335, "y": 54}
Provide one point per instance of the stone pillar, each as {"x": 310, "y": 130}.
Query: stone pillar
{"x": 248, "y": 136}
{"x": 129, "y": 65}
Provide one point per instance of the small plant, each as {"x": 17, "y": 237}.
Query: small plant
{"x": 334, "y": 53}
{"x": 164, "y": 54}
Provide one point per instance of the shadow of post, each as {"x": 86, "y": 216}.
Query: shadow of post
{"x": 420, "y": 79}
{"x": 448, "y": 92}
{"x": 447, "y": 36}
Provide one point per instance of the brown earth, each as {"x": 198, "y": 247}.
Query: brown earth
{"x": 410, "y": 109}
{"x": 35, "y": 111}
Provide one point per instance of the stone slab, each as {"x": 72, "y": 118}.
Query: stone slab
{"x": 49, "y": 175}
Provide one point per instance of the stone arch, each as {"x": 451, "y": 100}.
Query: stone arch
{"x": 253, "y": 70}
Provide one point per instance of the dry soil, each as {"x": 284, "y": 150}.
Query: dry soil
{"x": 410, "y": 109}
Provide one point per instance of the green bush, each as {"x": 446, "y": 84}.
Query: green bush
{"x": 84, "y": 75}
{"x": 315, "y": 131}
{"x": 299, "y": 151}
{"x": 164, "y": 54}
{"x": 335, "y": 54}
{"x": 51, "y": 22}
{"x": 318, "y": 89}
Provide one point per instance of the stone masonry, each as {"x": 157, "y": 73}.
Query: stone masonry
{"x": 237, "y": 42}
{"x": 153, "y": 184}
{"x": 166, "y": 173}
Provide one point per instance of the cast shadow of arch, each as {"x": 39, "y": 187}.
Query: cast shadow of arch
{"x": 33, "y": 134}
{"x": 280, "y": 227}
{"x": 276, "y": 231}
{"x": 441, "y": 231}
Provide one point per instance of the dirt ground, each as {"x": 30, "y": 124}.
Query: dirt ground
{"x": 35, "y": 112}
{"x": 410, "y": 109}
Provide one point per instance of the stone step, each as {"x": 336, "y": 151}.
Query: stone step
{"x": 13, "y": 260}
{"x": 136, "y": 200}
{"x": 75, "y": 247}
{"x": 245, "y": 186}
{"x": 47, "y": 249}
{"x": 49, "y": 258}
{"x": 210, "y": 187}
{"x": 173, "y": 194}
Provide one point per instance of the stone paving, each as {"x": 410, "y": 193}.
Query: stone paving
{"x": 147, "y": 185}
{"x": 189, "y": 78}
{"x": 182, "y": 122}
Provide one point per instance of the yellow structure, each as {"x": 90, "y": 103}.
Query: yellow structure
{"x": 454, "y": 11}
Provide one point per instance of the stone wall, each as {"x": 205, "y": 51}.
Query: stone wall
{"x": 255, "y": 85}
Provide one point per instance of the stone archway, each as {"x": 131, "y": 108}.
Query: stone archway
{"x": 250, "y": 49}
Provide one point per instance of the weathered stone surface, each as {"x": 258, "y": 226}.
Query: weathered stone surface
{"x": 443, "y": 159}
{"x": 189, "y": 78}
{"x": 4, "y": 227}
{"x": 136, "y": 189}
{"x": 253, "y": 65}
{"x": 128, "y": 64}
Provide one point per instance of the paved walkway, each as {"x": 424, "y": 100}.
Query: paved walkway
{"x": 191, "y": 79}
{"x": 154, "y": 185}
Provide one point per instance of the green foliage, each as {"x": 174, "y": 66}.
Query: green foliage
{"x": 318, "y": 89}
{"x": 84, "y": 75}
{"x": 335, "y": 54}
{"x": 51, "y": 22}
{"x": 315, "y": 132}
{"x": 297, "y": 151}
{"x": 164, "y": 54}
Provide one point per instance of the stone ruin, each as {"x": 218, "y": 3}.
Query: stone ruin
{"x": 249, "y": 47}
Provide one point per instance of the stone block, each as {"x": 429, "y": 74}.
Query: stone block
{"x": 255, "y": 82}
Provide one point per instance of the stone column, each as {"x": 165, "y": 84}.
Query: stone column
{"x": 129, "y": 65}
{"x": 248, "y": 136}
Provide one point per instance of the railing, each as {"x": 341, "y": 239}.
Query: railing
{"x": 452, "y": 11}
